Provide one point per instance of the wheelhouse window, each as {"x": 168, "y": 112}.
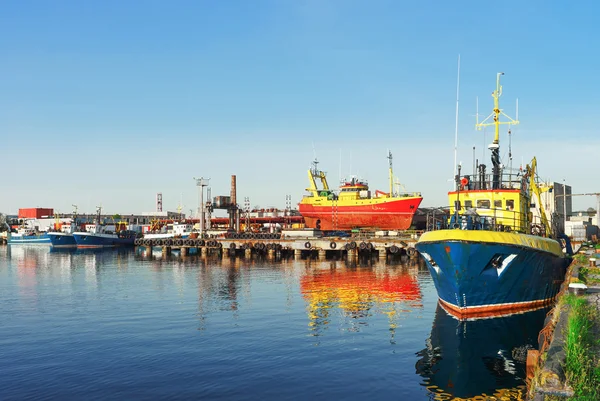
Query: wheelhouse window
{"x": 468, "y": 204}
{"x": 510, "y": 204}
{"x": 498, "y": 204}
{"x": 483, "y": 204}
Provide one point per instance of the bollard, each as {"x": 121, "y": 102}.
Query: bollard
{"x": 533, "y": 356}
{"x": 248, "y": 253}
{"x": 204, "y": 251}
{"x": 297, "y": 253}
{"x": 352, "y": 254}
{"x": 321, "y": 254}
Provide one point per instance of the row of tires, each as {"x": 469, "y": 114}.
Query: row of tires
{"x": 259, "y": 246}
{"x": 252, "y": 236}
{"x": 364, "y": 246}
{"x": 178, "y": 242}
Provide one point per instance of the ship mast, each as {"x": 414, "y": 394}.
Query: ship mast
{"x": 495, "y": 116}
{"x": 391, "y": 174}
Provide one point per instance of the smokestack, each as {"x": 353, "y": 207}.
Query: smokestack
{"x": 233, "y": 191}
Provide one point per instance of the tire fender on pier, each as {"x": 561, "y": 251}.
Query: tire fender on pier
{"x": 307, "y": 245}
{"x": 332, "y": 245}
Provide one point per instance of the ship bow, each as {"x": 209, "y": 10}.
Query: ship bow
{"x": 482, "y": 274}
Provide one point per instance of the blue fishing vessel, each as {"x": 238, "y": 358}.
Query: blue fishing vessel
{"x": 98, "y": 236}
{"x": 26, "y": 235}
{"x": 500, "y": 255}
{"x": 99, "y": 239}
{"x": 62, "y": 235}
{"x": 61, "y": 239}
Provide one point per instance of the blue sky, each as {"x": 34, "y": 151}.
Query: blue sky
{"x": 110, "y": 102}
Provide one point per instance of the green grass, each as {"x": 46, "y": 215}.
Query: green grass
{"x": 585, "y": 275}
{"x": 581, "y": 258}
{"x": 581, "y": 366}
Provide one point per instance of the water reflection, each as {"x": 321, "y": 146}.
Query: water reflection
{"x": 477, "y": 358}
{"x": 358, "y": 292}
{"x": 37, "y": 266}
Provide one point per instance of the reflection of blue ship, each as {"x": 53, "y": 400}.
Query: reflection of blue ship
{"x": 470, "y": 358}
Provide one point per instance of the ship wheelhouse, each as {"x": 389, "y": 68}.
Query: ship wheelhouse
{"x": 498, "y": 202}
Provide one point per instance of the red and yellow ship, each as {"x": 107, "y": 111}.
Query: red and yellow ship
{"x": 353, "y": 206}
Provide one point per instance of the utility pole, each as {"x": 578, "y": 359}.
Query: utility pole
{"x": 201, "y": 183}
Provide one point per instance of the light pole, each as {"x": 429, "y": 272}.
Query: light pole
{"x": 201, "y": 183}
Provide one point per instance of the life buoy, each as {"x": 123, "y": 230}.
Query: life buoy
{"x": 394, "y": 249}
{"x": 332, "y": 245}
{"x": 411, "y": 252}
{"x": 455, "y": 225}
{"x": 464, "y": 182}
{"x": 353, "y": 245}
{"x": 307, "y": 245}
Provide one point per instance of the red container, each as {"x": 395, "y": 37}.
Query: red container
{"x": 35, "y": 213}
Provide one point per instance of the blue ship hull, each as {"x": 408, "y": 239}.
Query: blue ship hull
{"x": 62, "y": 240}
{"x": 15, "y": 239}
{"x": 483, "y": 279}
{"x": 90, "y": 240}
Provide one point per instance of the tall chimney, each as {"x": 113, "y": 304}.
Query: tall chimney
{"x": 233, "y": 191}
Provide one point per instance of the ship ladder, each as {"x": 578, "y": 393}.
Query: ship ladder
{"x": 334, "y": 215}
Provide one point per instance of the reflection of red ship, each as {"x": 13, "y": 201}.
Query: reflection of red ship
{"x": 353, "y": 287}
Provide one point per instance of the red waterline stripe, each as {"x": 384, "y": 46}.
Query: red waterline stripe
{"x": 493, "y": 310}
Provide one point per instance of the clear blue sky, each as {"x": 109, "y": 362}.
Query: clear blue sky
{"x": 112, "y": 101}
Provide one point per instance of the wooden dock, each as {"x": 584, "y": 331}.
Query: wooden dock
{"x": 316, "y": 248}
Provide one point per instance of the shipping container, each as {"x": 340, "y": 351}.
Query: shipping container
{"x": 35, "y": 213}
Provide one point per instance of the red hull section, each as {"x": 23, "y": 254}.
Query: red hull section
{"x": 392, "y": 215}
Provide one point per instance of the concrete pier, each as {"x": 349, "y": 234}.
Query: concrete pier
{"x": 320, "y": 248}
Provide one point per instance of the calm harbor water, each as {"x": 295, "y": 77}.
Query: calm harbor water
{"x": 117, "y": 324}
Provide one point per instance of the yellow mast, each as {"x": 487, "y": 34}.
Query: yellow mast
{"x": 538, "y": 193}
{"x": 496, "y": 114}
{"x": 314, "y": 172}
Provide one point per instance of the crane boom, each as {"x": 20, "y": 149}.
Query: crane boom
{"x": 532, "y": 170}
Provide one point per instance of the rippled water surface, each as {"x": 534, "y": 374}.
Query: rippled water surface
{"x": 119, "y": 325}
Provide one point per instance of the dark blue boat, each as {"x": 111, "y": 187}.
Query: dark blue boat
{"x": 62, "y": 240}
{"x": 499, "y": 254}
